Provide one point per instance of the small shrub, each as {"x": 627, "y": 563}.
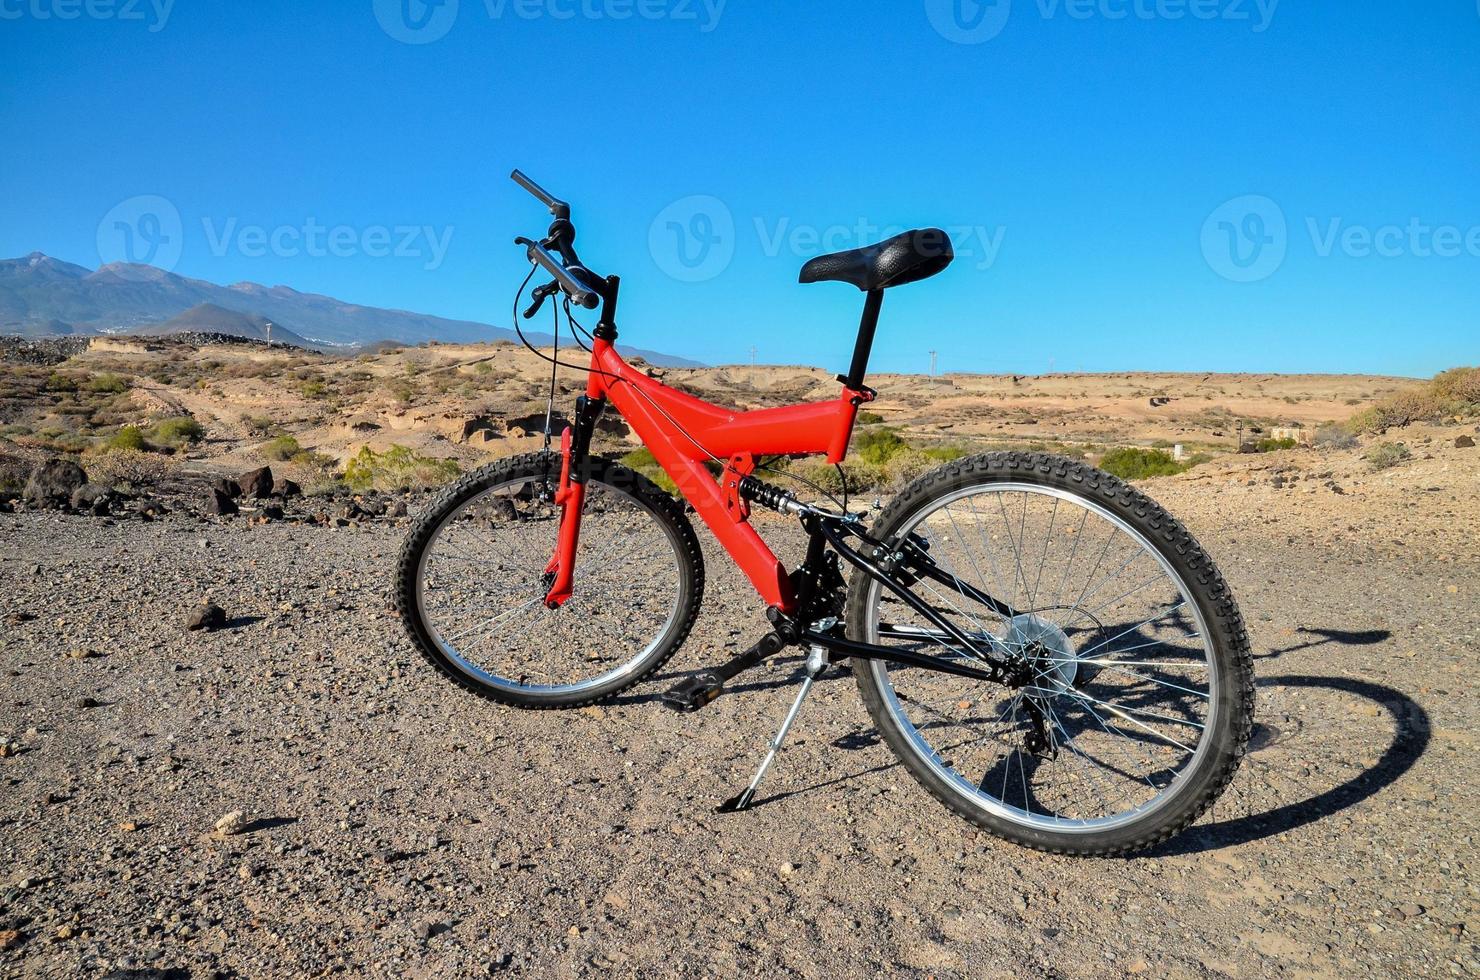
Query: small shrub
{"x": 130, "y": 438}
{"x": 110, "y": 383}
{"x": 1272, "y": 445}
{"x": 281, "y": 448}
{"x": 314, "y": 389}
{"x": 905, "y": 466}
{"x": 944, "y": 454}
{"x": 1455, "y": 392}
{"x": 61, "y": 382}
{"x": 398, "y": 468}
{"x": 178, "y": 431}
{"x": 1386, "y": 455}
{"x": 1334, "y": 437}
{"x": 128, "y": 468}
{"x": 258, "y": 425}
{"x": 875, "y": 446}
{"x": 1131, "y": 463}
{"x": 869, "y": 418}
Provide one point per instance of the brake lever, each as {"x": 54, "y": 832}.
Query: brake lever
{"x": 540, "y": 294}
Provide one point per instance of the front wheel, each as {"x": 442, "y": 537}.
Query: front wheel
{"x": 472, "y": 577}
{"x": 1133, "y": 698}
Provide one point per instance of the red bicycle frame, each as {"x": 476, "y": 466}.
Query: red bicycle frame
{"x": 685, "y": 434}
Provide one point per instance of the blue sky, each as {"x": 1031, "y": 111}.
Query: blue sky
{"x": 1132, "y": 184}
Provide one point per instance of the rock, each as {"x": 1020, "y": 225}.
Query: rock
{"x": 1464, "y": 442}
{"x": 286, "y": 489}
{"x": 207, "y": 616}
{"x": 397, "y": 509}
{"x": 257, "y": 484}
{"x": 92, "y": 498}
{"x": 273, "y": 512}
{"x": 7, "y": 749}
{"x": 1411, "y": 910}
{"x": 220, "y": 503}
{"x": 151, "y": 508}
{"x": 10, "y": 938}
{"x": 233, "y": 823}
{"x": 51, "y": 484}
{"x": 370, "y": 506}
{"x": 787, "y": 870}
{"x": 228, "y": 486}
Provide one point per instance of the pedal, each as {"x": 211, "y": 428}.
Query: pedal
{"x": 693, "y": 693}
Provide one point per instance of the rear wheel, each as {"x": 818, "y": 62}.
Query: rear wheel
{"x": 1134, "y": 697}
{"x": 471, "y": 581}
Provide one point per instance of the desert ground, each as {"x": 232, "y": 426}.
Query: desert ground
{"x": 297, "y": 794}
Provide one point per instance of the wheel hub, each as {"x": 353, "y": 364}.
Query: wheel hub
{"x": 1046, "y": 652}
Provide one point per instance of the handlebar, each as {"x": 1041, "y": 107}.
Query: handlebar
{"x": 579, "y": 292}
{"x": 557, "y": 207}
{"x": 578, "y": 282}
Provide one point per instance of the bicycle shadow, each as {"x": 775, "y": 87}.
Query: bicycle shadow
{"x": 1340, "y": 637}
{"x": 1411, "y": 738}
{"x": 790, "y": 679}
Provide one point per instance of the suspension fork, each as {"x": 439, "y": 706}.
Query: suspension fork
{"x": 575, "y": 451}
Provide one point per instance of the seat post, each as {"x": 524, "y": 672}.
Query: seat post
{"x": 866, "y": 326}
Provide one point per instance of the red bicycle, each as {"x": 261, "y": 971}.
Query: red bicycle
{"x": 1044, "y": 648}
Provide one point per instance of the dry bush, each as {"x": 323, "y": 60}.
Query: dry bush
{"x": 129, "y": 468}
{"x": 1450, "y": 393}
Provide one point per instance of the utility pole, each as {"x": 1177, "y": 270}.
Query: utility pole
{"x": 932, "y": 364}
{"x": 752, "y": 357}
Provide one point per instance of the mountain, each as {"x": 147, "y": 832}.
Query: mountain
{"x": 42, "y": 296}
{"x": 210, "y": 318}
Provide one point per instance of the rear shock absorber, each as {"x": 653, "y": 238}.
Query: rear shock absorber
{"x": 768, "y": 495}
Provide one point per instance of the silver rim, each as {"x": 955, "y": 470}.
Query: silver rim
{"x": 1124, "y": 674}
{"x": 480, "y": 588}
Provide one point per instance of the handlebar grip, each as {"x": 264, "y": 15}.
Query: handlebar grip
{"x": 579, "y": 293}
{"x": 557, "y": 207}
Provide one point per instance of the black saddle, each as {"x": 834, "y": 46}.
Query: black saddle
{"x": 910, "y": 257}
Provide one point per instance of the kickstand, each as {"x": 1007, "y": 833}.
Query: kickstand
{"x": 816, "y": 662}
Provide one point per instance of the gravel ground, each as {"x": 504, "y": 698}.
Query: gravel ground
{"x": 393, "y": 826}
